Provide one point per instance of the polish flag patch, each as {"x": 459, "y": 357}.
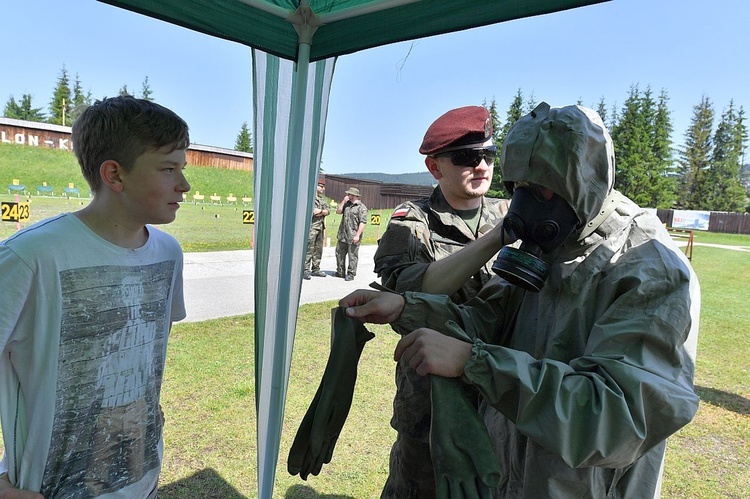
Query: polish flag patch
{"x": 401, "y": 212}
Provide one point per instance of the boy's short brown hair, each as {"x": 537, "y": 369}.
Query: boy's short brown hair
{"x": 121, "y": 129}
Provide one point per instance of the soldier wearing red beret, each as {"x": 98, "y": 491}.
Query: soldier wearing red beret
{"x": 459, "y": 153}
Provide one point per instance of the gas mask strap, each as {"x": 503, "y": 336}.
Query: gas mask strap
{"x": 608, "y": 206}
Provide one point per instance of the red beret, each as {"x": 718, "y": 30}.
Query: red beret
{"x": 457, "y": 127}
{"x": 321, "y": 180}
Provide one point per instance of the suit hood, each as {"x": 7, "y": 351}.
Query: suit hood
{"x": 565, "y": 149}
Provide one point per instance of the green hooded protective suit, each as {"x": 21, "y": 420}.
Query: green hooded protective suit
{"x": 582, "y": 382}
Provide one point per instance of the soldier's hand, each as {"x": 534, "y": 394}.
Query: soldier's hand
{"x": 373, "y": 306}
{"x": 430, "y": 352}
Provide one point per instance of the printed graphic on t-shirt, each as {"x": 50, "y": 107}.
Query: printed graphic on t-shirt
{"x": 112, "y": 341}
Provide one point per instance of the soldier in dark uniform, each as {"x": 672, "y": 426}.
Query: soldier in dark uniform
{"x": 350, "y": 232}
{"x": 317, "y": 233}
{"x": 460, "y": 155}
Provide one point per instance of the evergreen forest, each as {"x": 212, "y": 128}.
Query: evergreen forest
{"x": 707, "y": 171}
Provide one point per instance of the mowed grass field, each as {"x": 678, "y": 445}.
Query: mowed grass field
{"x": 200, "y": 226}
{"x": 209, "y": 397}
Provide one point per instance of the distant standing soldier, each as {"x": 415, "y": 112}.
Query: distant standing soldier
{"x": 351, "y": 228}
{"x": 317, "y": 233}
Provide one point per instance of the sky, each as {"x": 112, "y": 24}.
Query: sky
{"x": 383, "y": 99}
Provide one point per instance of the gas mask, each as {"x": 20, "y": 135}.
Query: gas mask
{"x": 541, "y": 225}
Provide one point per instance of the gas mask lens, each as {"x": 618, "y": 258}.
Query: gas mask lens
{"x": 542, "y": 223}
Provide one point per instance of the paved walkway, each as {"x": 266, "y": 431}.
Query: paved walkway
{"x": 221, "y": 284}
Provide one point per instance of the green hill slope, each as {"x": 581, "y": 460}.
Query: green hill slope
{"x": 34, "y": 165}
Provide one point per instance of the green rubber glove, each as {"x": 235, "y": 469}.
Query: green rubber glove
{"x": 465, "y": 464}
{"x": 320, "y": 428}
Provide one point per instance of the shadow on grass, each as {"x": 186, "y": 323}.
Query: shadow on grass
{"x": 725, "y": 400}
{"x": 206, "y": 484}
{"x": 306, "y": 492}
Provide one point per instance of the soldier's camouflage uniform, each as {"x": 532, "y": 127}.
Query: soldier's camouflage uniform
{"x": 315, "y": 240}
{"x": 352, "y": 215}
{"x": 421, "y": 232}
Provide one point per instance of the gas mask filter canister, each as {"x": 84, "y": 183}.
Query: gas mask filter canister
{"x": 541, "y": 225}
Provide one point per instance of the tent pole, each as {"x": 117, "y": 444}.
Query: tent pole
{"x": 267, "y": 472}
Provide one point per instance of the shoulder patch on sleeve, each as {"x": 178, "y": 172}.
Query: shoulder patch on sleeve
{"x": 400, "y": 213}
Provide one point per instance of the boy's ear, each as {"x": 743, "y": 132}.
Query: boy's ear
{"x": 110, "y": 172}
{"x": 432, "y": 167}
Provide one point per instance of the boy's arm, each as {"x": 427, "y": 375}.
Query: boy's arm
{"x": 8, "y": 491}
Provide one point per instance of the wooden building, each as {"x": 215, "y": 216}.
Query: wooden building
{"x": 199, "y": 155}
{"x": 31, "y": 133}
{"x": 375, "y": 195}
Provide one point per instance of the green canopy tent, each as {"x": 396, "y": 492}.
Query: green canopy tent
{"x": 295, "y": 44}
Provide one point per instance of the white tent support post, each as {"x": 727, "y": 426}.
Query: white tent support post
{"x": 285, "y": 317}
{"x": 276, "y": 328}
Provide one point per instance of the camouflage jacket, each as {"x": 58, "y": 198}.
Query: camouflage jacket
{"x": 319, "y": 223}
{"x": 352, "y": 215}
{"x": 426, "y": 230}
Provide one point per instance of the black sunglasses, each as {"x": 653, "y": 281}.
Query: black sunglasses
{"x": 470, "y": 157}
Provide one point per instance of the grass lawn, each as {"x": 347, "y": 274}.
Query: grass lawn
{"x": 208, "y": 399}
{"x": 198, "y": 227}
{"x": 211, "y": 440}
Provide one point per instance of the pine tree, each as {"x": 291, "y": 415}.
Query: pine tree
{"x": 146, "y": 90}
{"x": 614, "y": 118}
{"x": 60, "y": 106}
{"x": 123, "y": 91}
{"x": 515, "y": 111}
{"x": 643, "y": 150}
{"x": 664, "y": 191}
{"x": 23, "y": 111}
{"x": 632, "y": 147}
{"x": 531, "y": 103}
{"x": 741, "y": 134}
{"x": 244, "y": 141}
{"x": 496, "y": 189}
{"x": 601, "y": 109}
{"x": 81, "y": 100}
{"x": 725, "y": 192}
{"x": 695, "y": 158}
{"x": 12, "y": 109}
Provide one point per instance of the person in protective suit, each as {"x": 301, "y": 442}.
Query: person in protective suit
{"x": 584, "y": 350}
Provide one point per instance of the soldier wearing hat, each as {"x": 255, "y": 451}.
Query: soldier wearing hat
{"x": 353, "y": 221}
{"x": 317, "y": 233}
{"x": 460, "y": 156}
